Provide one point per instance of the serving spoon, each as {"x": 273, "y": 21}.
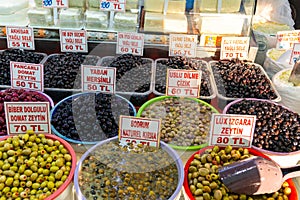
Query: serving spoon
{"x": 256, "y": 175}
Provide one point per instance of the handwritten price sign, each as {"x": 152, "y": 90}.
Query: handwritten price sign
{"x": 286, "y": 39}
{"x": 234, "y": 47}
{"x": 130, "y": 43}
{"x": 295, "y": 56}
{"x": 73, "y": 41}
{"x": 55, "y": 3}
{"x": 113, "y": 5}
{"x": 20, "y": 37}
{"x": 183, "y": 45}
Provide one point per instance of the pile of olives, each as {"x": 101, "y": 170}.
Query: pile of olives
{"x": 90, "y": 117}
{"x": 204, "y": 181}
{"x": 32, "y": 166}
{"x": 15, "y": 55}
{"x": 181, "y": 63}
{"x": 116, "y": 171}
{"x": 276, "y": 129}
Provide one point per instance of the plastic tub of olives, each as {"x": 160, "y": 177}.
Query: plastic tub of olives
{"x": 87, "y": 118}
{"x": 277, "y": 128}
{"x": 134, "y": 76}
{"x": 201, "y": 178}
{"x": 208, "y": 88}
{"x": 238, "y": 79}
{"x": 109, "y": 170}
{"x": 185, "y": 121}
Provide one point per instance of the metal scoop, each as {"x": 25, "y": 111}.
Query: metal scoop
{"x": 295, "y": 74}
{"x": 256, "y": 175}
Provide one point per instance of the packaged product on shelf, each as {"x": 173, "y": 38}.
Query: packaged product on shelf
{"x": 154, "y": 22}
{"x": 154, "y": 5}
{"x": 125, "y": 21}
{"x": 11, "y": 7}
{"x": 226, "y": 6}
{"x": 77, "y": 3}
{"x": 176, "y": 6}
{"x": 71, "y": 18}
{"x": 131, "y": 5}
{"x": 96, "y": 19}
{"x": 40, "y": 17}
{"x": 268, "y": 27}
{"x": 14, "y": 13}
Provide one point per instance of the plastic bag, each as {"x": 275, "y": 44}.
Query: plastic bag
{"x": 275, "y": 10}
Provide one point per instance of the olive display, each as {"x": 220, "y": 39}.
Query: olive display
{"x": 32, "y": 166}
{"x": 204, "y": 181}
{"x": 181, "y": 63}
{"x": 276, "y": 129}
{"x": 185, "y": 122}
{"x": 133, "y": 73}
{"x": 116, "y": 171}
{"x": 15, "y": 55}
{"x": 239, "y": 79}
{"x": 64, "y": 70}
{"x": 17, "y": 95}
{"x": 90, "y": 116}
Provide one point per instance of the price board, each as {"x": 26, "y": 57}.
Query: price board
{"x": 24, "y": 116}
{"x": 235, "y": 47}
{"x": 73, "y": 41}
{"x": 234, "y": 130}
{"x": 132, "y": 43}
{"x": 113, "y": 5}
{"x": 286, "y": 39}
{"x": 20, "y": 37}
{"x": 55, "y": 3}
{"x": 27, "y": 76}
{"x": 183, "y": 45}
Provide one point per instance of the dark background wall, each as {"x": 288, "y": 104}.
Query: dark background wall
{"x": 295, "y": 6}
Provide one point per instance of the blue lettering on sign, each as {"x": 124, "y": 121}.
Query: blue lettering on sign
{"x": 105, "y": 5}
{"x": 47, "y": 2}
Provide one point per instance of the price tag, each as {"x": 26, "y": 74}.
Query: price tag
{"x": 286, "y": 39}
{"x": 73, "y": 41}
{"x": 20, "y": 37}
{"x": 96, "y": 78}
{"x": 139, "y": 131}
{"x": 132, "y": 43}
{"x": 183, "y": 45}
{"x": 235, "y": 130}
{"x": 295, "y": 56}
{"x": 113, "y": 5}
{"x": 208, "y": 40}
{"x": 55, "y": 3}
{"x": 184, "y": 83}
{"x": 23, "y": 116}
{"x": 27, "y": 75}
{"x": 234, "y": 47}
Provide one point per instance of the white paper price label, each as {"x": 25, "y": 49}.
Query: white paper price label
{"x": 132, "y": 43}
{"x": 73, "y": 41}
{"x": 286, "y": 39}
{"x": 113, "y": 5}
{"x": 24, "y": 116}
{"x": 183, "y": 83}
{"x": 27, "y": 75}
{"x": 183, "y": 45}
{"x": 139, "y": 131}
{"x": 295, "y": 56}
{"x": 234, "y": 47}
{"x": 55, "y": 3}
{"x": 234, "y": 130}
{"x": 20, "y": 37}
{"x": 98, "y": 79}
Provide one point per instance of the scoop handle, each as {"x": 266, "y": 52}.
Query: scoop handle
{"x": 290, "y": 172}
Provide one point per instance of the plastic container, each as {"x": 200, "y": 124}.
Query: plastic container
{"x": 224, "y": 100}
{"x": 145, "y": 77}
{"x": 283, "y": 159}
{"x": 161, "y": 98}
{"x": 64, "y": 189}
{"x": 160, "y": 78}
{"x": 188, "y": 195}
{"x": 172, "y": 153}
{"x": 54, "y": 110}
{"x": 71, "y": 18}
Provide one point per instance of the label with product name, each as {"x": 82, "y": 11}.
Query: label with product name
{"x": 208, "y": 40}
{"x": 24, "y": 116}
{"x": 132, "y": 43}
{"x": 183, "y": 45}
{"x": 234, "y": 47}
{"x": 27, "y": 75}
{"x": 55, "y": 3}
{"x": 73, "y": 41}
{"x": 20, "y": 37}
{"x": 98, "y": 79}
{"x": 113, "y": 5}
{"x": 286, "y": 39}
{"x": 139, "y": 131}
{"x": 234, "y": 130}
{"x": 295, "y": 56}
{"x": 183, "y": 83}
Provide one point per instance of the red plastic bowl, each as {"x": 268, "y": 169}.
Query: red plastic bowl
{"x": 293, "y": 195}
{"x": 71, "y": 151}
